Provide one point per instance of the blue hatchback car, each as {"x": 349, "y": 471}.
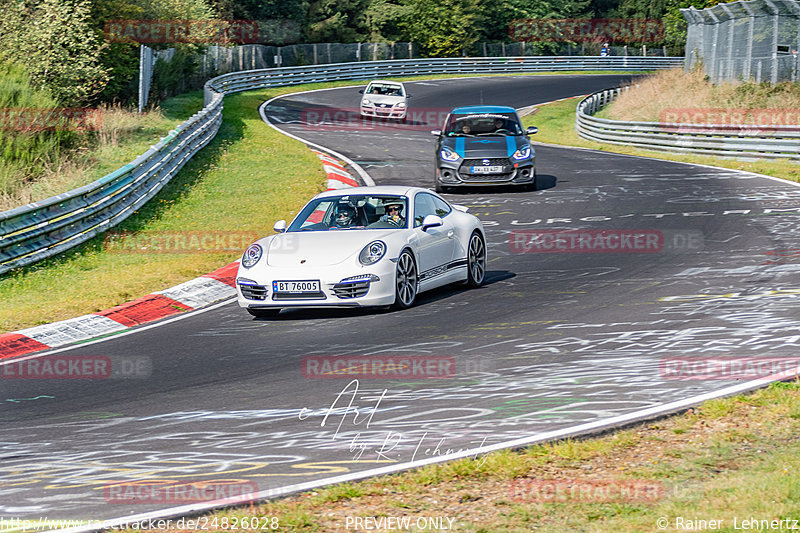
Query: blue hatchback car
{"x": 484, "y": 145}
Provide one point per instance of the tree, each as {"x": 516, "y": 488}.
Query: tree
{"x": 121, "y": 60}
{"x": 385, "y": 20}
{"x": 443, "y": 28}
{"x": 337, "y": 21}
{"x": 55, "y": 41}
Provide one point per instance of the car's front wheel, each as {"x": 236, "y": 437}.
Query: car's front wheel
{"x": 476, "y": 261}
{"x": 406, "y": 281}
{"x": 263, "y": 313}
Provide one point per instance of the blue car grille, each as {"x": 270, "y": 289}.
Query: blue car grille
{"x": 483, "y": 178}
{"x": 479, "y": 162}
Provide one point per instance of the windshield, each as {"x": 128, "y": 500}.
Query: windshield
{"x": 353, "y": 212}
{"x": 483, "y": 124}
{"x": 385, "y": 89}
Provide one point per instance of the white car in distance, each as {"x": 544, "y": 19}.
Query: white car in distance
{"x": 384, "y": 99}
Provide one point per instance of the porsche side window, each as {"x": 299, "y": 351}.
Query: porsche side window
{"x": 423, "y": 206}
{"x": 442, "y": 208}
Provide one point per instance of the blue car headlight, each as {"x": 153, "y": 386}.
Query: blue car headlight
{"x": 523, "y": 153}
{"x": 372, "y": 253}
{"x": 251, "y": 255}
{"x": 448, "y": 155}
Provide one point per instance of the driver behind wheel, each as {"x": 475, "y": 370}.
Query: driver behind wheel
{"x": 394, "y": 214}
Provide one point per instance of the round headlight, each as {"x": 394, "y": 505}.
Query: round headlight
{"x": 372, "y": 253}
{"x": 251, "y": 255}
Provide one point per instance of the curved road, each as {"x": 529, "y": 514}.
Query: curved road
{"x": 554, "y": 339}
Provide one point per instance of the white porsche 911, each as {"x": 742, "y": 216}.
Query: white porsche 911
{"x": 365, "y": 246}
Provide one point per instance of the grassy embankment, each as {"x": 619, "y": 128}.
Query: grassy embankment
{"x": 248, "y": 177}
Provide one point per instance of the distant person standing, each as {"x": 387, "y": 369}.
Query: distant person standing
{"x": 605, "y": 51}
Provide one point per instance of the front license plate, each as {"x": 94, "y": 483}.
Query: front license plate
{"x": 296, "y": 287}
{"x": 487, "y": 170}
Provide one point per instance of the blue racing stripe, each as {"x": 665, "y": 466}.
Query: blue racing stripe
{"x": 460, "y": 143}
{"x": 511, "y": 145}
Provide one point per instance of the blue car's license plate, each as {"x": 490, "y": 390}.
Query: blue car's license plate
{"x": 487, "y": 169}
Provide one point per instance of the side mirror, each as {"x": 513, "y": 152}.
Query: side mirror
{"x": 531, "y": 130}
{"x": 436, "y": 133}
{"x": 361, "y": 91}
{"x": 280, "y": 226}
{"x": 408, "y": 95}
{"x": 431, "y": 221}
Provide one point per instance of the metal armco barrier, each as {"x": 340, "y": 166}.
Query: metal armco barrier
{"x": 256, "y": 79}
{"x": 41, "y": 229}
{"x": 749, "y": 141}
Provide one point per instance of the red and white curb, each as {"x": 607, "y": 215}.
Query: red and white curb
{"x": 188, "y": 296}
{"x": 193, "y": 294}
{"x": 338, "y": 177}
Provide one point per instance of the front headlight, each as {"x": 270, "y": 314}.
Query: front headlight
{"x": 400, "y": 104}
{"x": 372, "y": 253}
{"x": 448, "y": 155}
{"x": 251, "y": 255}
{"x": 523, "y": 153}
{"x": 365, "y": 102}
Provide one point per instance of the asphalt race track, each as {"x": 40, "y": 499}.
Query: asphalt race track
{"x": 556, "y": 337}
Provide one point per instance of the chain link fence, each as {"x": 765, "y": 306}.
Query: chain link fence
{"x": 522, "y": 49}
{"x": 224, "y": 59}
{"x": 753, "y": 40}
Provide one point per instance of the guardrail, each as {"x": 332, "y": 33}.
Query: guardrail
{"x": 772, "y": 141}
{"x": 256, "y": 79}
{"x": 42, "y": 229}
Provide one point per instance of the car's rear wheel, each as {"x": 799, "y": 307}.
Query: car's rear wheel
{"x": 476, "y": 261}
{"x": 263, "y": 313}
{"x": 406, "y": 281}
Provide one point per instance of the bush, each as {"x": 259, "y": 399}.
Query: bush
{"x": 25, "y": 149}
